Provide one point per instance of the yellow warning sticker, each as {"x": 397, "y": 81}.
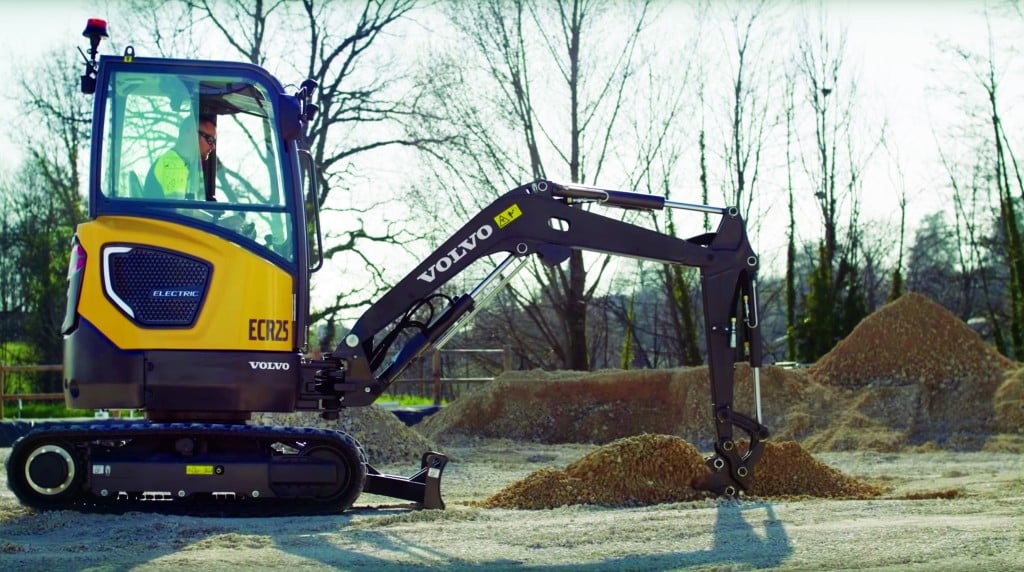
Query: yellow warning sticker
{"x": 198, "y": 469}
{"x": 508, "y": 216}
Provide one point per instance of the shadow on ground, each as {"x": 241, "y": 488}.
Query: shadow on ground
{"x": 745, "y": 535}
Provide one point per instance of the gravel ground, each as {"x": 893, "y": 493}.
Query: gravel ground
{"x": 931, "y": 430}
{"x": 980, "y": 528}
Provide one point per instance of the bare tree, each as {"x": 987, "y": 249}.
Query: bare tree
{"x": 972, "y": 213}
{"x": 538, "y": 89}
{"x": 752, "y": 98}
{"x": 662, "y": 140}
{"x": 43, "y": 202}
{"x": 993, "y": 174}
{"x": 821, "y": 59}
{"x": 61, "y": 116}
{"x": 790, "y": 278}
{"x": 833, "y": 165}
{"x": 896, "y": 289}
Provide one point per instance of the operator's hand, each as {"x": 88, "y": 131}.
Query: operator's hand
{"x": 237, "y": 223}
{"x": 249, "y": 230}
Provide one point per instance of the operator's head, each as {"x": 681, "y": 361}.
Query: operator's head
{"x": 207, "y": 136}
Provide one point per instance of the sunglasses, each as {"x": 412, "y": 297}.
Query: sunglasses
{"x": 210, "y": 139}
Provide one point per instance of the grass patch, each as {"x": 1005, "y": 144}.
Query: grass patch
{"x": 42, "y": 410}
{"x": 405, "y": 400}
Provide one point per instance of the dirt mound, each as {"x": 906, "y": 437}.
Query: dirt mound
{"x": 785, "y": 469}
{"x": 635, "y": 471}
{"x": 1009, "y": 403}
{"x": 384, "y": 438}
{"x": 911, "y": 373}
{"x": 911, "y": 340}
{"x": 600, "y": 407}
{"x": 563, "y": 407}
{"x": 652, "y": 469}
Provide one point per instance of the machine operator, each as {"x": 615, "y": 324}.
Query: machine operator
{"x": 169, "y": 176}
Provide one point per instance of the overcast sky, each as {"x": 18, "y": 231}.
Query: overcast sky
{"x": 32, "y": 29}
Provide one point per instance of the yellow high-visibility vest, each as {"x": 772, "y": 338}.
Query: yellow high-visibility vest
{"x": 171, "y": 173}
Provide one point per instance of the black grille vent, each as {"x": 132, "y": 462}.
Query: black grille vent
{"x": 157, "y": 287}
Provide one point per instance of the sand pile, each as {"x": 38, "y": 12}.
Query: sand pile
{"x": 383, "y": 437}
{"x": 785, "y": 469}
{"x": 635, "y": 471}
{"x": 562, "y": 407}
{"x": 911, "y": 340}
{"x": 1009, "y": 403}
{"x": 651, "y": 469}
{"x": 910, "y": 373}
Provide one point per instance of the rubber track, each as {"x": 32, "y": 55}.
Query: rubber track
{"x": 201, "y": 505}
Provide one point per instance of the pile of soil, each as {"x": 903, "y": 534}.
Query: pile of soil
{"x": 635, "y": 471}
{"x": 912, "y": 340}
{"x": 383, "y": 437}
{"x": 652, "y": 469}
{"x": 600, "y": 407}
{"x": 912, "y": 373}
{"x": 909, "y": 375}
{"x": 1009, "y": 403}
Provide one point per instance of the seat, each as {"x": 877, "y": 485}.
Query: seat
{"x": 151, "y": 189}
{"x": 134, "y": 186}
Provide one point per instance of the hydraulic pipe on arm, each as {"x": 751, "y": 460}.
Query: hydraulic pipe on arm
{"x": 544, "y": 218}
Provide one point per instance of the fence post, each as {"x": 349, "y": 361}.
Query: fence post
{"x": 435, "y": 374}
{"x": 3, "y": 382}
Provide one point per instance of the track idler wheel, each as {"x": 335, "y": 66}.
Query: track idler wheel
{"x": 351, "y": 473}
{"x": 45, "y": 474}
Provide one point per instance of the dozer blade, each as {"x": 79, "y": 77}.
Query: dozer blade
{"x": 423, "y": 488}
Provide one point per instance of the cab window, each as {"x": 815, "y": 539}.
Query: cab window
{"x": 201, "y": 147}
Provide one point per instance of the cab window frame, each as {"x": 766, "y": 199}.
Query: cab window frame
{"x": 107, "y": 155}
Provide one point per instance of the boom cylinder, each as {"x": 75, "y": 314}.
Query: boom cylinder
{"x": 621, "y": 199}
{"x": 419, "y": 343}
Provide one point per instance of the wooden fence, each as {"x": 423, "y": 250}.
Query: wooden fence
{"x": 4, "y": 369}
{"x": 437, "y": 384}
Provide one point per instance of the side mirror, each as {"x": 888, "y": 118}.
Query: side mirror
{"x": 297, "y": 111}
{"x": 289, "y": 120}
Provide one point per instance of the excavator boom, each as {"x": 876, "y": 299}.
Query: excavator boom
{"x": 545, "y": 218}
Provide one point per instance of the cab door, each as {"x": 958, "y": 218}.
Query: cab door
{"x": 224, "y": 254}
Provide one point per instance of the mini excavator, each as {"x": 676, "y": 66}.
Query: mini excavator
{"x": 194, "y": 308}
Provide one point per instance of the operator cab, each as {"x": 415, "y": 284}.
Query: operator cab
{"x": 154, "y": 109}
{"x": 185, "y": 290}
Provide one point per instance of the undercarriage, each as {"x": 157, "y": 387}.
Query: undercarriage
{"x": 205, "y": 469}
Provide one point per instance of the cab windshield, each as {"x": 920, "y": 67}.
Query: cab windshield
{"x": 198, "y": 146}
